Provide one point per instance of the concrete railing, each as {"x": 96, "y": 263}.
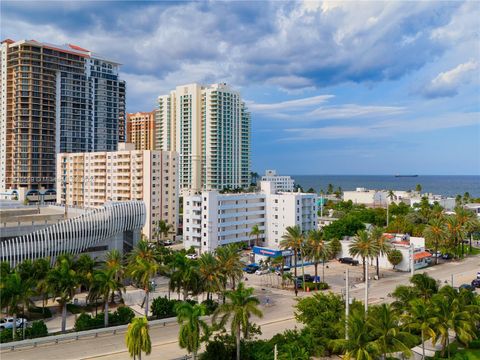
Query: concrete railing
{"x": 81, "y": 334}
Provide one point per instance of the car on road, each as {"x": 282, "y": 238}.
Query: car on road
{"x": 447, "y": 256}
{"x": 467, "y": 287}
{"x": 478, "y": 274}
{"x": 168, "y": 242}
{"x": 349, "y": 261}
{"x": 7, "y": 323}
{"x": 476, "y": 283}
{"x": 437, "y": 254}
{"x": 192, "y": 256}
{"x": 278, "y": 271}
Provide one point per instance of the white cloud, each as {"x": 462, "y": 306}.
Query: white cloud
{"x": 353, "y": 110}
{"x": 290, "y": 104}
{"x": 384, "y": 128}
{"x": 447, "y": 83}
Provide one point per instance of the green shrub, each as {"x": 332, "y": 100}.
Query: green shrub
{"x": 83, "y": 322}
{"x": 74, "y": 309}
{"x": 315, "y": 286}
{"x": 123, "y": 315}
{"x": 36, "y": 329}
{"x": 475, "y": 344}
{"x": 163, "y": 308}
{"x": 6, "y": 335}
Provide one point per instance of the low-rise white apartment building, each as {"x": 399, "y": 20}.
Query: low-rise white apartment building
{"x": 90, "y": 180}
{"x": 282, "y": 183}
{"x": 212, "y": 219}
{"x": 381, "y": 198}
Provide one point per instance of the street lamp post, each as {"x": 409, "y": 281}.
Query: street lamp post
{"x": 347, "y": 303}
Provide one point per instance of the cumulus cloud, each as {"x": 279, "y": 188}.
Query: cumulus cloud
{"x": 447, "y": 83}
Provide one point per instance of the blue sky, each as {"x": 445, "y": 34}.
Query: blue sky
{"x": 334, "y": 87}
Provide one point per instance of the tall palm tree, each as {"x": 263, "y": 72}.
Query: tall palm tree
{"x": 185, "y": 278}
{"x": 84, "y": 267}
{"x": 142, "y": 267}
{"x": 210, "y": 275}
{"x": 240, "y": 307}
{"x": 468, "y": 221}
{"x": 293, "y": 239}
{"x": 435, "y": 235}
{"x": 390, "y": 196}
{"x": 256, "y": 232}
{"x": 40, "y": 271}
{"x": 191, "y": 326}
{"x": 388, "y": 332}
{"x": 419, "y": 317}
{"x": 105, "y": 284}
{"x": 63, "y": 282}
{"x": 114, "y": 262}
{"x": 138, "y": 338}
{"x": 228, "y": 259}
{"x": 363, "y": 246}
{"x": 455, "y": 233}
{"x": 317, "y": 250}
{"x": 361, "y": 344}
{"x": 163, "y": 230}
{"x": 383, "y": 245}
{"x": 16, "y": 293}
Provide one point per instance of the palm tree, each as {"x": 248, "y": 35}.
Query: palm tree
{"x": 455, "y": 233}
{"x": 424, "y": 285}
{"x": 84, "y": 267}
{"x": 293, "y": 239}
{"x": 191, "y": 326}
{"x": 363, "y": 246}
{"x": 450, "y": 314}
{"x": 163, "y": 229}
{"x": 256, "y": 232}
{"x": 210, "y": 275}
{"x": 185, "y": 277}
{"x": 434, "y": 234}
{"x": 16, "y": 292}
{"x": 240, "y": 307}
{"x": 468, "y": 221}
{"x": 40, "y": 271}
{"x": 388, "y": 332}
{"x": 63, "y": 282}
{"x": 105, "y": 284}
{"x": 361, "y": 344}
{"x": 391, "y": 196}
{"x": 114, "y": 262}
{"x": 138, "y": 338}
{"x": 228, "y": 259}
{"x": 317, "y": 250}
{"x": 383, "y": 245}
{"x": 419, "y": 317}
{"x": 142, "y": 267}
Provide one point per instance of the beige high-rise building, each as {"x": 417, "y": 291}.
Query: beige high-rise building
{"x": 141, "y": 130}
{"x": 91, "y": 179}
{"x": 209, "y": 127}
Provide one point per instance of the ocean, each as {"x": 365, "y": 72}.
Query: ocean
{"x": 449, "y": 185}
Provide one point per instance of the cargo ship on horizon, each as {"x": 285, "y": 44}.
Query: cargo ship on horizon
{"x": 400, "y": 176}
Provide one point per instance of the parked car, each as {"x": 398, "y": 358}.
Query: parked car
{"x": 7, "y": 323}
{"x": 478, "y": 274}
{"x": 251, "y": 268}
{"x": 447, "y": 256}
{"x": 437, "y": 254}
{"x": 467, "y": 287}
{"x": 192, "y": 256}
{"x": 348, "y": 261}
{"x": 168, "y": 242}
{"x": 262, "y": 271}
{"x": 278, "y": 271}
{"x": 476, "y": 283}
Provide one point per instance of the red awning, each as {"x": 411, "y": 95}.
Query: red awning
{"x": 421, "y": 255}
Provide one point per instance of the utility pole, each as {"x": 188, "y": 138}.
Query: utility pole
{"x": 347, "y": 304}
{"x": 366, "y": 288}
{"x": 275, "y": 353}
{"x": 451, "y": 279}
{"x": 412, "y": 261}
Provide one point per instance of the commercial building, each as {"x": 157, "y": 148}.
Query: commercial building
{"x": 209, "y": 126}
{"x": 54, "y": 98}
{"x": 29, "y": 233}
{"x": 141, "y": 130}
{"x": 212, "y": 219}
{"x": 92, "y": 179}
{"x": 282, "y": 183}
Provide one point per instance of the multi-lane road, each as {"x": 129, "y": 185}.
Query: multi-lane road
{"x": 278, "y": 316}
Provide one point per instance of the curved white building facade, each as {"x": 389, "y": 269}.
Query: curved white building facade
{"x": 100, "y": 229}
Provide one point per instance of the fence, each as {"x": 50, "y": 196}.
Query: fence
{"x": 77, "y": 335}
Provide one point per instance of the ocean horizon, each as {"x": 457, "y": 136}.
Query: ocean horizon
{"x": 448, "y": 185}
